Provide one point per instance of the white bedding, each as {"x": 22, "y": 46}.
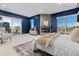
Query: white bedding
{"x": 63, "y": 46}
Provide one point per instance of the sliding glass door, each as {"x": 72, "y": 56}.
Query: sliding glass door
{"x": 71, "y": 22}
{"x": 11, "y": 25}
{"x": 66, "y": 24}
{"x": 61, "y": 25}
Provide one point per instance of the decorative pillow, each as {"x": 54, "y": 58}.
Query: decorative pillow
{"x": 75, "y": 35}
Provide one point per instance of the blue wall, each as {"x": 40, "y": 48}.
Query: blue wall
{"x": 53, "y": 24}
{"x": 36, "y": 22}
{"x": 78, "y": 18}
{"x": 25, "y": 25}
{"x": 25, "y": 20}
{"x": 59, "y": 14}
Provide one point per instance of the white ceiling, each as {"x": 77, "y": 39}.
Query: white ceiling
{"x": 31, "y": 9}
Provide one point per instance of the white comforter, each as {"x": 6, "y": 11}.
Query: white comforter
{"x": 63, "y": 46}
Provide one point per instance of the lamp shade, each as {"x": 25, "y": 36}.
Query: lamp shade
{"x": 77, "y": 24}
{"x": 0, "y": 18}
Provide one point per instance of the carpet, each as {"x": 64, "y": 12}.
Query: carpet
{"x": 26, "y": 49}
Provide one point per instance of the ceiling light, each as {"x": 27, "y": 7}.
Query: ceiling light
{"x": 40, "y": 10}
{"x": 59, "y": 3}
{"x": 3, "y": 5}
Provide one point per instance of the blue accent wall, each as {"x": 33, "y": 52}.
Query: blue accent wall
{"x": 25, "y": 20}
{"x": 59, "y": 14}
{"x": 67, "y": 12}
{"x": 36, "y": 22}
{"x": 25, "y": 25}
{"x": 53, "y": 24}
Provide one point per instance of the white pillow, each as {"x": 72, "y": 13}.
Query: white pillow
{"x": 75, "y": 35}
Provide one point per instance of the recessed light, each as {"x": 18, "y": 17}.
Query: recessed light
{"x": 3, "y": 5}
{"x": 59, "y": 3}
{"x": 40, "y": 10}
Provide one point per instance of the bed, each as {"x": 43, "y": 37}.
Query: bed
{"x": 63, "y": 46}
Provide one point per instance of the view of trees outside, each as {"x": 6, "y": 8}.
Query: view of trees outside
{"x": 66, "y": 24}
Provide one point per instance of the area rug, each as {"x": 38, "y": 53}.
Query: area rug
{"x": 26, "y": 49}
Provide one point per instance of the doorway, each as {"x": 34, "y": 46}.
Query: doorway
{"x": 45, "y": 23}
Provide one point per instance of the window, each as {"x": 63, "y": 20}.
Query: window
{"x": 16, "y": 26}
{"x": 32, "y": 23}
{"x": 66, "y": 24}
{"x": 11, "y": 25}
